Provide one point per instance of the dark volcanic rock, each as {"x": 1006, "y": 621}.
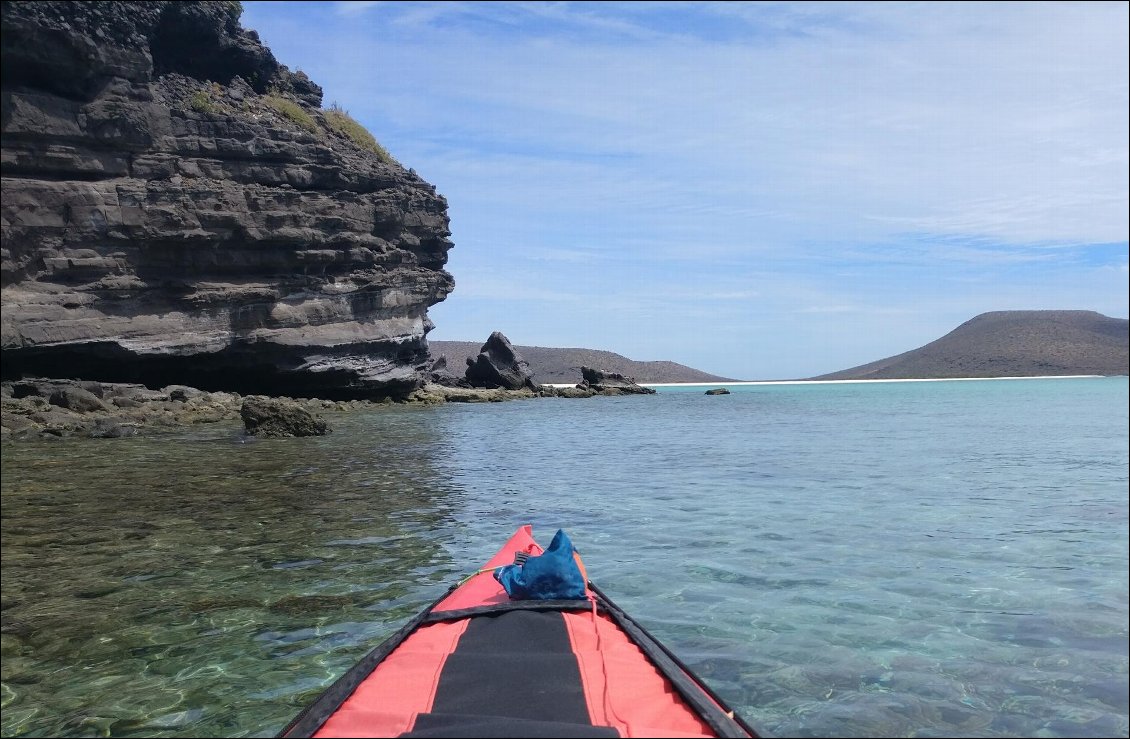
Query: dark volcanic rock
{"x": 37, "y": 406}
{"x": 718, "y": 391}
{"x": 440, "y": 374}
{"x": 275, "y": 417}
{"x": 109, "y": 428}
{"x": 498, "y": 366}
{"x": 76, "y": 399}
{"x": 560, "y": 365}
{"x": 176, "y": 209}
{"x": 611, "y": 383}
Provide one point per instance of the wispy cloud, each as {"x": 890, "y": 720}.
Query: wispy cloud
{"x": 813, "y": 158}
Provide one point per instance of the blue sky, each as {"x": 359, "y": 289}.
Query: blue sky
{"x": 759, "y": 190}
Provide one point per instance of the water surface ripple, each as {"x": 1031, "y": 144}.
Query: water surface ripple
{"x": 896, "y": 559}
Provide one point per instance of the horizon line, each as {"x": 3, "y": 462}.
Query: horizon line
{"x": 847, "y": 382}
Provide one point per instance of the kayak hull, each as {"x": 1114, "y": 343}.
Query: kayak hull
{"x": 476, "y": 663}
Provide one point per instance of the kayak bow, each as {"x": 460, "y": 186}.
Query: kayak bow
{"x": 477, "y": 664}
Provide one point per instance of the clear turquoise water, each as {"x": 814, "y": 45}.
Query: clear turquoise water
{"x": 896, "y": 559}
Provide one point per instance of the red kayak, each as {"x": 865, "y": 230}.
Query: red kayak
{"x": 479, "y": 663}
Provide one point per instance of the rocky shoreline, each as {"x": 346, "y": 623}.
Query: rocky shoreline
{"x": 46, "y": 409}
{"x": 51, "y": 408}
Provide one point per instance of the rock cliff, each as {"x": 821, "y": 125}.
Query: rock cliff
{"x": 177, "y": 208}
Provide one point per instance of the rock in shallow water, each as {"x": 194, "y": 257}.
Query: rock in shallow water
{"x": 274, "y": 418}
{"x": 611, "y": 383}
{"x": 498, "y": 365}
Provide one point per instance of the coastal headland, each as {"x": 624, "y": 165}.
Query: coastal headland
{"x": 186, "y": 224}
{"x": 178, "y": 207}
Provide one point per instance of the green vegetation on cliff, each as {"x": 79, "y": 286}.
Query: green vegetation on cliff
{"x": 339, "y": 120}
{"x": 292, "y": 111}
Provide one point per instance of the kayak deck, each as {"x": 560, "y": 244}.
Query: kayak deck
{"x": 477, "y": 664}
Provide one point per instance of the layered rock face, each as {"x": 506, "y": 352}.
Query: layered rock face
{"x": 176, "y": 208}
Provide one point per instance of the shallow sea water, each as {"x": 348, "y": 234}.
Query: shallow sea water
{"x": 893, "y": 559}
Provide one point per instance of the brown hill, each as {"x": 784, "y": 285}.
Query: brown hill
{"x": 563, "y": 366}
{"x": 1023, "y": 343}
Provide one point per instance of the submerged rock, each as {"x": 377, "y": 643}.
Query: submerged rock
{"x": 111, "y": 428}
{"x": 718, "y": 391}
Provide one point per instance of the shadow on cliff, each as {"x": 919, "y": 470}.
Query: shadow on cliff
{"x": 247, "y": 371}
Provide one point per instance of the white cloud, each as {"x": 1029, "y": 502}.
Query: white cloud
{"x": 812, "y": 159}
{"x": 989, "y": 136}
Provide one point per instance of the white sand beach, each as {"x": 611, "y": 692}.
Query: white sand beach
{"x": 840, "y": 382}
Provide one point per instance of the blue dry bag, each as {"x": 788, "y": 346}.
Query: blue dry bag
{"x": 552, "y": 576}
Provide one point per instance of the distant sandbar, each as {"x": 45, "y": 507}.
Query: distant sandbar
{"x": 849, "y": 382}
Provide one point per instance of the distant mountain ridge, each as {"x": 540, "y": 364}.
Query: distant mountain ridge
{"x": 560, "y": 366}
{"x": 1020, "y": 343}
